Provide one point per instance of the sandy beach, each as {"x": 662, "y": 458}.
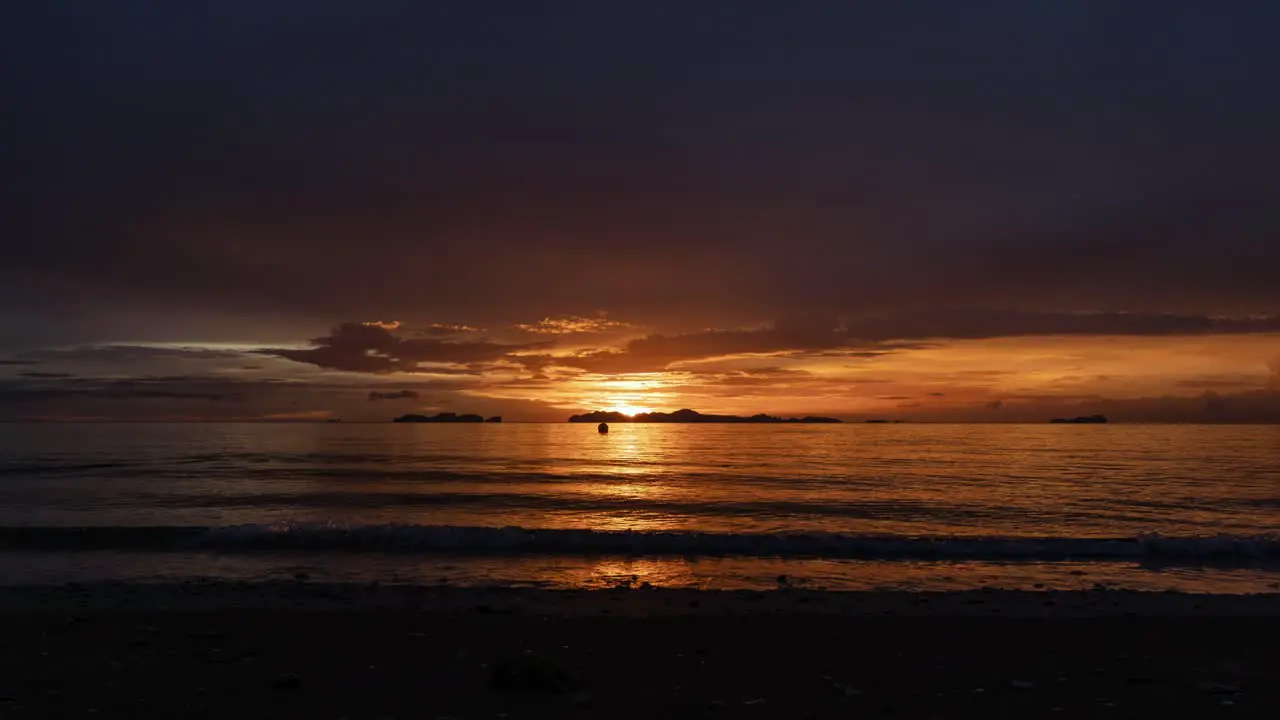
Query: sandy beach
{"x": 327, "y": 651}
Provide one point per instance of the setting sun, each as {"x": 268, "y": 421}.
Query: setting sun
{"x": 630, "y": 409}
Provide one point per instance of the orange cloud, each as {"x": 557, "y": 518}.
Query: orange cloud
{"x": 572, "y": 324}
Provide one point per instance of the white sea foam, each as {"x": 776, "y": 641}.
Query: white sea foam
{"x": 444, "y": 538}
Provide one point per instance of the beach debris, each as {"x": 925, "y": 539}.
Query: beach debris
{"x": 753, "y": 701}
{"x": 1022, "y": 685}
{"x": 288, "y": 681}
{"x": 1227, "y": 703}
{"x": 532, "y": 674}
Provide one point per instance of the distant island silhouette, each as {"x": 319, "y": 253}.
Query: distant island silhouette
{"x": 689, "y": 416}
{"x": 446, "y": 418}
{"x": 1082, "y": 420}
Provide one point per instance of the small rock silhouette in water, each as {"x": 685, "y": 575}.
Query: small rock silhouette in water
{"x": 603, "y": 427}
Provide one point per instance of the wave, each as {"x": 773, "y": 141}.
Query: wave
{"x": 449, "y": 539}
{"x": 44, "y": 467}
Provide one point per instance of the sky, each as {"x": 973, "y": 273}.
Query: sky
{"x": 993, "y": 212}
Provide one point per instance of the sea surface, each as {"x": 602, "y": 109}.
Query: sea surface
{"x": 853, "y": 506}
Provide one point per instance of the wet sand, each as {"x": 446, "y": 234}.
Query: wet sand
{"x": 303, "y": 650}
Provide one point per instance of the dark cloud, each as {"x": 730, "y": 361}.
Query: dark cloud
{"x": 56, "y": 386}
{"x": 1219, "y": 383}
{"x": 777, "y": 372}
{"x": 17, "y": 363}
{"x": 543, "y": 382}
{"x": 533, "y": 362}
{"x": 127, "y": 354}
{"x": 371, "y": 348}
{"x": 199, "y": 396}
{"x": 1273, "y": 382}
{"x": 846, "y": 156}
{"x": 393, "y": 395}
{"x": 111, "y": 390}
{"x": 44, "y": 375}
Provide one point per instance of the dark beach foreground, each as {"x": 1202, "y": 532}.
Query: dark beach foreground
{"x": 305, "y": 650}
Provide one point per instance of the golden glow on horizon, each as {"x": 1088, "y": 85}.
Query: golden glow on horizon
{"x": 1021, "y": 378}
{"x": 630, "y": 410}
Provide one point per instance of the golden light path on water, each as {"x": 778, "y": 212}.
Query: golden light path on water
{"x": 723, "y": 496}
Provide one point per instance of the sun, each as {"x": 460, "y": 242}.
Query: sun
{"x": 631, "y": 410}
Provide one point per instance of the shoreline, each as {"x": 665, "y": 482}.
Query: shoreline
{"x": 637, "y": 602}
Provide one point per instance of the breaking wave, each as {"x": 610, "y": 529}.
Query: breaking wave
{"x": 448, "y": 539}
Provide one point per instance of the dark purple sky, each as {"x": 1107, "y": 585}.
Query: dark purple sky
{"x": 260, "y": 172}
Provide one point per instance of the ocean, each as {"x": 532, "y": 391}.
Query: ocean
{"x": 840, "y": 507}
